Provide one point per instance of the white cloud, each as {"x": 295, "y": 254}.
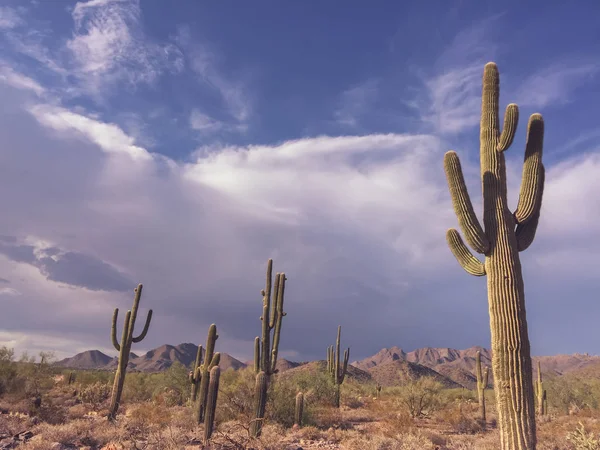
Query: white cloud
{"x": 109, "y": 46}
{"x": 552, "y": 85}
{"x": 204, "y": 123}
{"x": 9, "y": 18}
{"x": 10, "y": 292}
{"x": 19, "y": 81}
{"x": 354, "y": 102}
{"x": 107, "y": 136}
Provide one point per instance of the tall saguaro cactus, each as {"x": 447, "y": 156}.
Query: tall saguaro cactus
{"x": 540, "y": 392}
{"x": 124, "y": 348}
{"x": 504, "y": 234}
{"x": 211, "y": 403}
{"x": 337, "y": 371}
{"x": 482, "y": 383}
{"x": 200, "y": 374}
{"x": 265, "y": 350}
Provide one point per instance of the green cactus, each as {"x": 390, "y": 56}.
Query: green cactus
{"x": 299, "y": 411}
{"x": 377, "y": 390}
{"x": 337, "y": 372}
{"x": 124, "y": 348}
{"x": 211, "y": 403}
{"x": 265, "y": 351}
{"x": 71, "y": 378}
{"x": 482, "y": 384}
{"x": 540, "y": 393}
{"x": 260, "y": 403}
{"x": 200, "y": 374}
{"x": 503, "y": 236}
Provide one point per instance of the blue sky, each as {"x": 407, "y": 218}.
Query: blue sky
{"x": 183, "y": 147}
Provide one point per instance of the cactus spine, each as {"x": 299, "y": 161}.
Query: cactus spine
{"x": 211, "y": 403}
{"x": 542, "y": 403}
{"x": 299, "y": 412}
{"x": 200, "y": 375}
{"x": 503, "y": 236}
{"x": 482, "y": 384}
{"x": 265, "y": 351}
{"x": 260, "y": 403}
{"x": 337, "y": 372}
{"x": 124, "y": 348}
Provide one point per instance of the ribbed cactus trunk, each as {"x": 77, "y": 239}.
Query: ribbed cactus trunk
{"x": 337, "y": 371}
{"x": 265, "y": 351}
{"x": 540, "y": 392}
{"x": 482, "y": 382}
{"x": 211, "y": 403}
{"x": 501, "y": 239}
{"x": 124, "y": 348}
{"x": 260, "y": 403}
{"x": 201, "y": 375}
{"x": 299, "y": 410}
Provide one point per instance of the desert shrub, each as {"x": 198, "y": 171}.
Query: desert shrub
{"x": 87, "y": 377}
{"x": 94, "y": 394}
{"x": 419, "y": 397}
{"x": 38, "y": 376}
{"x": 140, "y": 387}
{"x": 460, "y": 422}
{"x": 568, "y": 392}
{"x": 173, "y": 385}
{"x": 582, "y": 440}
{"x": 236, "y": 394}
{"x": 8, "y": 369}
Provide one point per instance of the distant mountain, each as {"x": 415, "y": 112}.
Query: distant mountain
{"x": 398, "y": 372}
{"x": 155, "y": 360}
{"x": 353, "y": 373}
{"x": 91, "y": 359}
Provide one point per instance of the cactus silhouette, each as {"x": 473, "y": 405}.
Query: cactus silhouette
{"x": 124, "y": 348}
{"x": 337, "y": 371}
{"x": 502, "y": 237}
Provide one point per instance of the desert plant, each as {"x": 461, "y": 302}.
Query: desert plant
{"x": 200, "y": 373}
{"x": 94, "y": 394}
{"x": 503, "y": 236}
{"x": 211, "y": 403}
{"x": 377, "y": 390}
{"x": 8, "y": 369}
{"x": 482, "y": 384}
{"x": 337, "y": 371}
{"x": 582, "y": 440}
{"x": 540, "y": 392}
{"x": 420, "y": 397}
{"x": 265, "y": 351}
{"x": 124, "y": 348}
{"x": 299, "y": 410}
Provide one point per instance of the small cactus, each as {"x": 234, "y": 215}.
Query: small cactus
{"x": 337, "y": 372}
{"x": 211, "y": 403}
{"x": 124, "y": 348}
{"x": 377, "y": 390}
{"x": 299, "y": 412}
{"x": 482, "y": 384}
{"x": 260, "y": 403}
{"x": 540, "y": 393}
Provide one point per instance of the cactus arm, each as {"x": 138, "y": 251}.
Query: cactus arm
{"x": 215, "y": 361}
{"x": 463, "y": 207}
{"x": 145, "y": 330}
{"x": 113, "y": 330}
{"x": 337, "y": 355}
{"x": 274, "y": 301}
{"x": 511, "y": 118}
{"x": 134, "y": 311}
{"x": 525, "y": 232}
{"x": 278, "y": 318}
{"x": 345, "y": 368}
{"x": 256, "y": 354}
{"x": 531, "y": 184}
{"x": 463, "y": 255}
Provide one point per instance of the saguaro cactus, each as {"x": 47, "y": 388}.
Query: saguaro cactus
{"x": 299, "y": 411}
{"x": 211, "y": 403}
{"x": 260, "y": 403}
{"x": 124, "y": 348}
{"x": 337, "y": 372}
{"x": 200, "y": 375}
{"x": 502, "y": 237}
{"x": 482, "y": 383}
{"x": 540, "y": 392}
{"x": 265, "y": 351}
